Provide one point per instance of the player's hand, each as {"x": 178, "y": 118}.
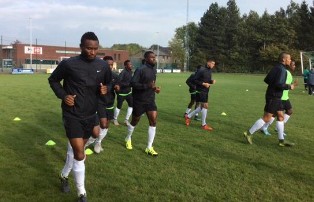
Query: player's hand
{"x": 292, "y": 86}
{"x": 103, "y": 89}
{"x": 116, "y": 88}
{"x": 152, "y": 85}
{"x": 214, "y": 81}
{"x": 157, "y": 90}
{"x": 206, "y": 85}
{"x": 69, "y": 100}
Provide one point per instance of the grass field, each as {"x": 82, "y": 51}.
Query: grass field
{"x": 193, "y": 165}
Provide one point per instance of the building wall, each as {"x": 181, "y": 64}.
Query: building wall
{"x": 47, "y": 56}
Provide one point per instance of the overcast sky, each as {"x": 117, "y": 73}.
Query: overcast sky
{"x": 56, "y": 22}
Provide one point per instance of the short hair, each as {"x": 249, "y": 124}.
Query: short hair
{"x": 107, "y": 57}
{"x": 147, "y": 53}
{"x": 210, "y": 59}
{"x": 89, "y": 36}
{"x": 282, "y": 55}
{"x": 126, "y": 62}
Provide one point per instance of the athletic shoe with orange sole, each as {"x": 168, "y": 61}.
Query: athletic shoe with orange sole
{"x": 207, "y": 127}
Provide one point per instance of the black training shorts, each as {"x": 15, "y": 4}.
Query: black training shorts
{"x": 273, "y": 106}
{"x": 79, "y": 128}
{"x": 201, "y": 97}
{"x": 286, "y": 105}
{"x": 140, "y": 108}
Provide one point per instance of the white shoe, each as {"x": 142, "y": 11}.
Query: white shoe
{"x": 126, "y": 122}
{"x": 98, "y": 148}
{"x": 115, "y": 122}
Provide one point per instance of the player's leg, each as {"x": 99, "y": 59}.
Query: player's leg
{"x": 138, "y": 110}
{"x": 152, "y": 118}
{"x": 120, "y": 100}
{"x": 129, "y": 100}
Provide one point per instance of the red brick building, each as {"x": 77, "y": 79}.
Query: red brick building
{"x": 44, "y": 57}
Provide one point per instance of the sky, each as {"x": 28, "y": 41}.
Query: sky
{"x": 62, "y": 22}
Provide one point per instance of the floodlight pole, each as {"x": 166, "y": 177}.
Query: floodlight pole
{"x": 30, "y": 42}
{"x": 301, "y": 57}
{"x": 186, "y": 59}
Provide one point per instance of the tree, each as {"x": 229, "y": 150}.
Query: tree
{"x": 177, "y": 44}
{"x": 133, "y": 48}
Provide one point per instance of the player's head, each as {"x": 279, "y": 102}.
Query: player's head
{"x": 150, "y": 58}
{"x": 284, "y": 58}
{"x": 109, "y": 60}
{"x": 128, "y": 64}
{"x": 292, "y": 65}
{"x": 89, "y": 45}
{"x": 210, "y": 63}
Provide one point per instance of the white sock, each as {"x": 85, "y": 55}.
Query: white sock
{"x": 197, "y": 110}
{"x": 204, "y": 115}
{"x": 116, "y": 113}
{"x": 90, "y": 141}
{"x": 266, "y": 125}
{"x": 79, "y": 176}
{"x": 151, "y": 136}
{"x": 280, "y": 125}
{"x": 187, "y": 110}
{"x": 286, "y": 118}
{"x": 102, "y": 134}
{"x": 130, "y": 132}
{"x": 257, "y": 125}
{"x": 69, "y": 162}
{"x": 128, "y": 113}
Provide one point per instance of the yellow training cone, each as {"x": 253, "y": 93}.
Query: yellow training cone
{"x": 88, "y": 151}
{"x": 16, "y": 119}
{"x": 50, "y": 143}
{"x": 223, "y": 114}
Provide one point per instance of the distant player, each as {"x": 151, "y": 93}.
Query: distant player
{"x": 144, "y": 88}
{"x": 125, "y": 93}
{"x": 105, "y": 109}
{"x": 276, "y": 80}
{"x": 287, "y": 107}
{"x": 203, "y": 80}
{"x": 192, "y": 90}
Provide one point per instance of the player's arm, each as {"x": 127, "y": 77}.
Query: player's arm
{"x": 136, "y": 81}
{"x": 55, "y": 80}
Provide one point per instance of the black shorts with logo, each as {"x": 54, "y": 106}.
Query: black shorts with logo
{"x": 79, "y": 128}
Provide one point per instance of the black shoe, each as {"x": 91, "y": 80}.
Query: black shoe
{"x": 65, "y": 188}
{"x": 82, "y": 198}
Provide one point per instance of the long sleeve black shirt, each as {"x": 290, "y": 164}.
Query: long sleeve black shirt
{"x": 125, "y": 78}
{"x": 108, "y": 99}
{"x": 276, "y": 80}
{"x": 82, "y": 78}
{"x": 141, "y": 81}
{"x": 203, "y": 75}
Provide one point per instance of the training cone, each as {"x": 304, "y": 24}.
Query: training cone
{"x": 50, "y": 143}
{"x": 223, "y": 114}
{"x": 88, "y": 151}
{"x": 16, "y": 119}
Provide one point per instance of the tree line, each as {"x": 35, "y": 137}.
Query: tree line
{"x": 247, "y": 43}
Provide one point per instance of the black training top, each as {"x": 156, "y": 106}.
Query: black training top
{"x": 125, "y": 78}
{"x": 140, "y": 83}
{"x": 108, "y": 99}
{"x": 276, "y": 80}
{"x": 82, "y": 78}
{"x": 203, "y": 75}
{"x": 190, "y": 83}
